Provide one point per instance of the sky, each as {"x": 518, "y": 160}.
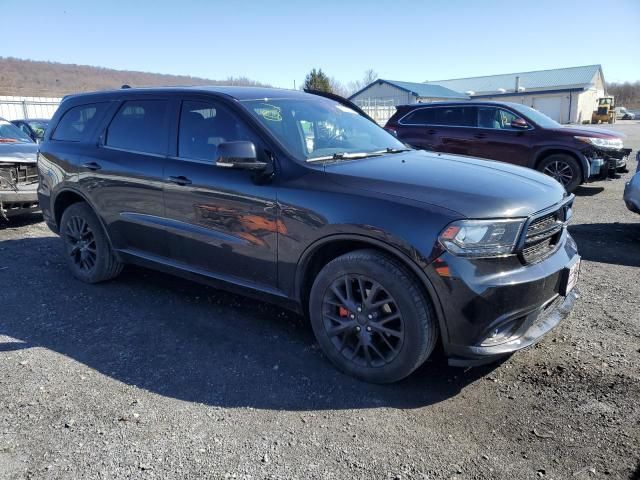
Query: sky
{"x": 279, "y": 42}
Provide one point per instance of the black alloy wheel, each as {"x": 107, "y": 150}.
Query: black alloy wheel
{"x": 82, "y": 241}
{"x": 371, "y": 316}
{"x": 87, "y": 249}
{"x": 363, "y": 321}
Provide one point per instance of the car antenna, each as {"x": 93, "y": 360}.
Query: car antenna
{"x": 125, "y": 86}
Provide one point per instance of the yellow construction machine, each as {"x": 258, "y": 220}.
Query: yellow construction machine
{"x": 605, "y": 112}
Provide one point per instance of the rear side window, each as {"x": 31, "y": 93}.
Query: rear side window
{"x": 455, "y": 116}
{"x": 140, "y": 126}
{"x": 422, "y": 116}
{"x": 78, "y": 121}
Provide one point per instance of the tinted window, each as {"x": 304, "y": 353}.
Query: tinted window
{"x": 204, "y": 126}
{"x": 422, "y": 116}
{"x": 455, "y": 116}
{"x": 140, "y": 125}
{"x": 78, "y": 121}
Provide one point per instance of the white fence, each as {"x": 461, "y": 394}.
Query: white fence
{"x": 15, "y": 108}
{"x": 379, "y": 110}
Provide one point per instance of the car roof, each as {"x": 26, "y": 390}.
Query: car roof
{"x": 462, "y": 103}
{"x": 239, "y": 93}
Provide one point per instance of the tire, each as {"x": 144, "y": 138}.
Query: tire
{"x": 86, "y": 247}
{"x": 564, "y": 169}
{"x": 384, "y": 342}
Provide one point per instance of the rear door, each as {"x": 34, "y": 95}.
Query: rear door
{"x": 495, "y": 139}
{"x": 415, "y": 129}
{"x": 455, "y": 126}
{"x": 442, "y": 129}
{"x": 124, "y": 176}
{"x": 220, "y": 221}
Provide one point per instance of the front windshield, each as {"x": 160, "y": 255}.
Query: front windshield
{"x": 537, "y": 117}
{"x": 316, "y": 127}
{"x": 9, "y": 133}
{"x": 38, "y": 127}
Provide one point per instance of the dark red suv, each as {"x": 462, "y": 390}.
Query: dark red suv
{"x": 512, "y": 133}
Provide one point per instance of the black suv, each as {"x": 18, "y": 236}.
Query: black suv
{"x": 303, "y": 200}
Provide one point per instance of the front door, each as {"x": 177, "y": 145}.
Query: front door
{"x": 495, "y": 139}
{"x": 220, "y": 221}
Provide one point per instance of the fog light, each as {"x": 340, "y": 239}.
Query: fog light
{"x": 502, "y": 333}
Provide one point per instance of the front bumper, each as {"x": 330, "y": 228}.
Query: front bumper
{"x": 534, "y": 326}
{"x": 481, "y": 296}
{"x": 19, "y": 200}
{"x": 606, "y": 162}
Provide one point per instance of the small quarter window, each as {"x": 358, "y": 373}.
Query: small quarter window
{"x": 77, "y": 122}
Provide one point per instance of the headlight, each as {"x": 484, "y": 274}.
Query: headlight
{"x": 601, "y": 142}
{"x": 481, "y": 238}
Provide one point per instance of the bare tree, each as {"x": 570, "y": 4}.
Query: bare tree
{"x": 338, "y": 87}
{"x": 627, "y": 94}
{"x": 368, "y": 78}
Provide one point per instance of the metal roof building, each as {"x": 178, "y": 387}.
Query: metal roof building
{"x": 380, "y": 98}
{"x": 568, "y": 95}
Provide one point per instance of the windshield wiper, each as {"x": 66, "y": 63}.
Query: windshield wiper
{"x": 345, "y": 156}
{"x": 349, "y": 156}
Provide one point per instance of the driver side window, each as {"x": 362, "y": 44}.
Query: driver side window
{"x": 204, "y": 125}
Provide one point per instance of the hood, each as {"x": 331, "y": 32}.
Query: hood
{"x": 18, "y": 152}
{"x": 472, "y": 187}
{"x": 590, "y": 132}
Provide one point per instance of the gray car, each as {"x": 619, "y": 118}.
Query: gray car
{"x": 632, "y": 190}
{"x": 18, "y": 171}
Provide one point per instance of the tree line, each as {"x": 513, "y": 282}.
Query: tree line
{"x": 627, "y": 94}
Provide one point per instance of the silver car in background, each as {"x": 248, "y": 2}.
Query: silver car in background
{"x": 632, "y": 189}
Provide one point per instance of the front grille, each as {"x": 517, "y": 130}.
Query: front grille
{"x": 543, "y": 235}
{"x": 19, "y": 174}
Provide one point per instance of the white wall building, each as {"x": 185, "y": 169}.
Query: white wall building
{"x": 568, "y": 95}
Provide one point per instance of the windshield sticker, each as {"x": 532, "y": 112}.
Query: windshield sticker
{"x": 269, "y": 112}
{"x": 345, "y": 109}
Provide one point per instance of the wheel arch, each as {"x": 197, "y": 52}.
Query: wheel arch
{"x": 67, "y": 197}
{"x": 321, "y": 252}
{"x": 547, "y": 152}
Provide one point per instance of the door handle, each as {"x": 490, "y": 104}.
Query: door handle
{"x": 180, "y": 180}
{"x": 431, "y": 131}
{"x": 480, "y": 135}
{"x": 92, "y": 166}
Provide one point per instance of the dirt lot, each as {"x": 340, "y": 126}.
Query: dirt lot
{"x": 151, "y": 376}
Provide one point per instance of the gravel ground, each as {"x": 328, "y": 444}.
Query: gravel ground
{"x": 151, "y": 376}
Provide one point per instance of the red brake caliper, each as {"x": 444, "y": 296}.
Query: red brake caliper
{"x": 343, "y": 312}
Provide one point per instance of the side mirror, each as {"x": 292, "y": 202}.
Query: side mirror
{"x": 520, "y": 124}
{"x": 241, "y": 155}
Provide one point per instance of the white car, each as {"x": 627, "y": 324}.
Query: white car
{"x": 624, "y": 114}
